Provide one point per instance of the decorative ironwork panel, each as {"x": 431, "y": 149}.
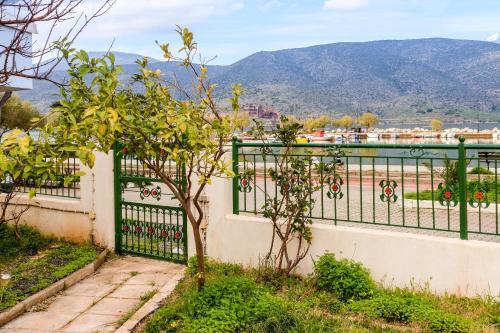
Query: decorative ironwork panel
{"x": 448, "y": 194}
{"x": 244, "y": 185}
{"x": 388, "y": 190}
{"x": 335, "y": 187}
{"x": 149, "y": 221}
{"x": 479, "y": 195}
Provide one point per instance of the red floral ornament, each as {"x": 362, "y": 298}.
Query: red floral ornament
{"x": 479, "y": 196}
{"x": 178, "y": 234}
{"x": 244, "y": 184}
{"x": 335, "y": 187}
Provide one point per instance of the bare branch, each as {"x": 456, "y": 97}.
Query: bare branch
{"x": 20, "y": 56}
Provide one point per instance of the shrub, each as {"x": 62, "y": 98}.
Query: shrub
{"x": 213, "y": 267}
{"x": 30, "y": 242}
{"x": 345, "y": 278}
{"x": 439, "y": 321}
{"x": 480, "y": 170}
{"x": 408, "y": 308}
{"x": 227, "y": 304}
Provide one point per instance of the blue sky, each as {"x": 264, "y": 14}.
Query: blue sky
{"x": 234, "y": 29}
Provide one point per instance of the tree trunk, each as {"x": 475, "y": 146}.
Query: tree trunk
{"x": 200, "y": 256}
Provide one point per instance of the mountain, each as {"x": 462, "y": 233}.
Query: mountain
{"x": 393, "y": 78}
{"x": 121, "y": 58}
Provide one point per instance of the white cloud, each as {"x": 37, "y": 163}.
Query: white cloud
{"x": 494, "y": 38}
{"x": 130, "y": 18}
{"x": 270, "y": 4}
{"x": 345, "y": 4}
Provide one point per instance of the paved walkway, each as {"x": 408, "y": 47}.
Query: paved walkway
{"x": 100, "y": 302}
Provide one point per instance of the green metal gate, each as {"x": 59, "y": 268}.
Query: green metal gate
{"x": 149, "y": 221}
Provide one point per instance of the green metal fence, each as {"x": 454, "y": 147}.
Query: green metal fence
{"x": 67, "y": 167}
{"x": 148, "y": 219}
{"x": 440, "y": 189}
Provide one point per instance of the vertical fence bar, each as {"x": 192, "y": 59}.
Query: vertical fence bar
{"x": 462, "y": 187}
{"x": 236, "y": 194}
{"x": 118, "y": 207}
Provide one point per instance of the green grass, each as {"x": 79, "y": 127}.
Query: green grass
{"x": 143, "y": 299}
{"x": 35, "y": 262}
{"x": 12, "y": 248}
{"x": 492, "y": 193}
{"x": 257, "y": 301}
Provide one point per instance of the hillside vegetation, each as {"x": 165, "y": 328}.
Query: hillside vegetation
{"x": 393, "y": 78}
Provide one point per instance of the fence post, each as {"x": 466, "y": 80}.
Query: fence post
{"x": 236, "y": 195}
{"x": 462, "y": 187}
{"x": 117, "y": 191}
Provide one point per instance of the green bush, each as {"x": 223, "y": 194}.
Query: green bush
{"x": 480, "y": 171}
{"x": 344, "y": 278}
{"x": 237, "y": 300}
{"x": 227, "y": 304}
{"x": 407, "y": 308}
{"x": 30, "y": 242}
{"x": 213, "y": 267}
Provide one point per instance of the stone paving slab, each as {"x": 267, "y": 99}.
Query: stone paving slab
{"x": 97, "y": 303}
{"x": 132, "y": 291}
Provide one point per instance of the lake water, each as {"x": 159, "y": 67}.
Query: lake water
{"x": 482, "y": 126}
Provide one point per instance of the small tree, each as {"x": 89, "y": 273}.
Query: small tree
{"x": 242, "y": 120}
{"x": 289, "y": 212}
{"x": 368, "y": 120}
{"x": 17, "y": 114}
{"x": 293, "y": 119}
{"x": 436, "y": 125}
{"x": 344, "y": 122}
{"x": 24, "y": 161}
{"x": 17, "y": 20}
{"x": 314, "y": 123}
{"x": 156, "y": 126}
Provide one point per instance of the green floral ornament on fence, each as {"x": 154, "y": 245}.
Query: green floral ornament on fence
{"x": 478, "y": 195}
{"x": 154, "y": 192}
{"x": 448, "y": 194}
{"x": 244, "y": 184}
{"x": 335, "y": 187}
{"x": 388, "y": 191}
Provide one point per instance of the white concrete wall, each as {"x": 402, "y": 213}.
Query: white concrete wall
{"x": 89, "y": 218}
{"x": 60, "y": 217}
{"x": 103, "y": 200}
{"x": 397, "y": 259}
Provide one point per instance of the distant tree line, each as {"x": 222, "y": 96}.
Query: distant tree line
{"x": 367, "y": 120}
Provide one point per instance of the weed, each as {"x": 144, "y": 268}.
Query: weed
{"x": 344, "y": 278}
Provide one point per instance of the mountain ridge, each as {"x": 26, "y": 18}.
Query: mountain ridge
{"x": 388, "y": 77}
